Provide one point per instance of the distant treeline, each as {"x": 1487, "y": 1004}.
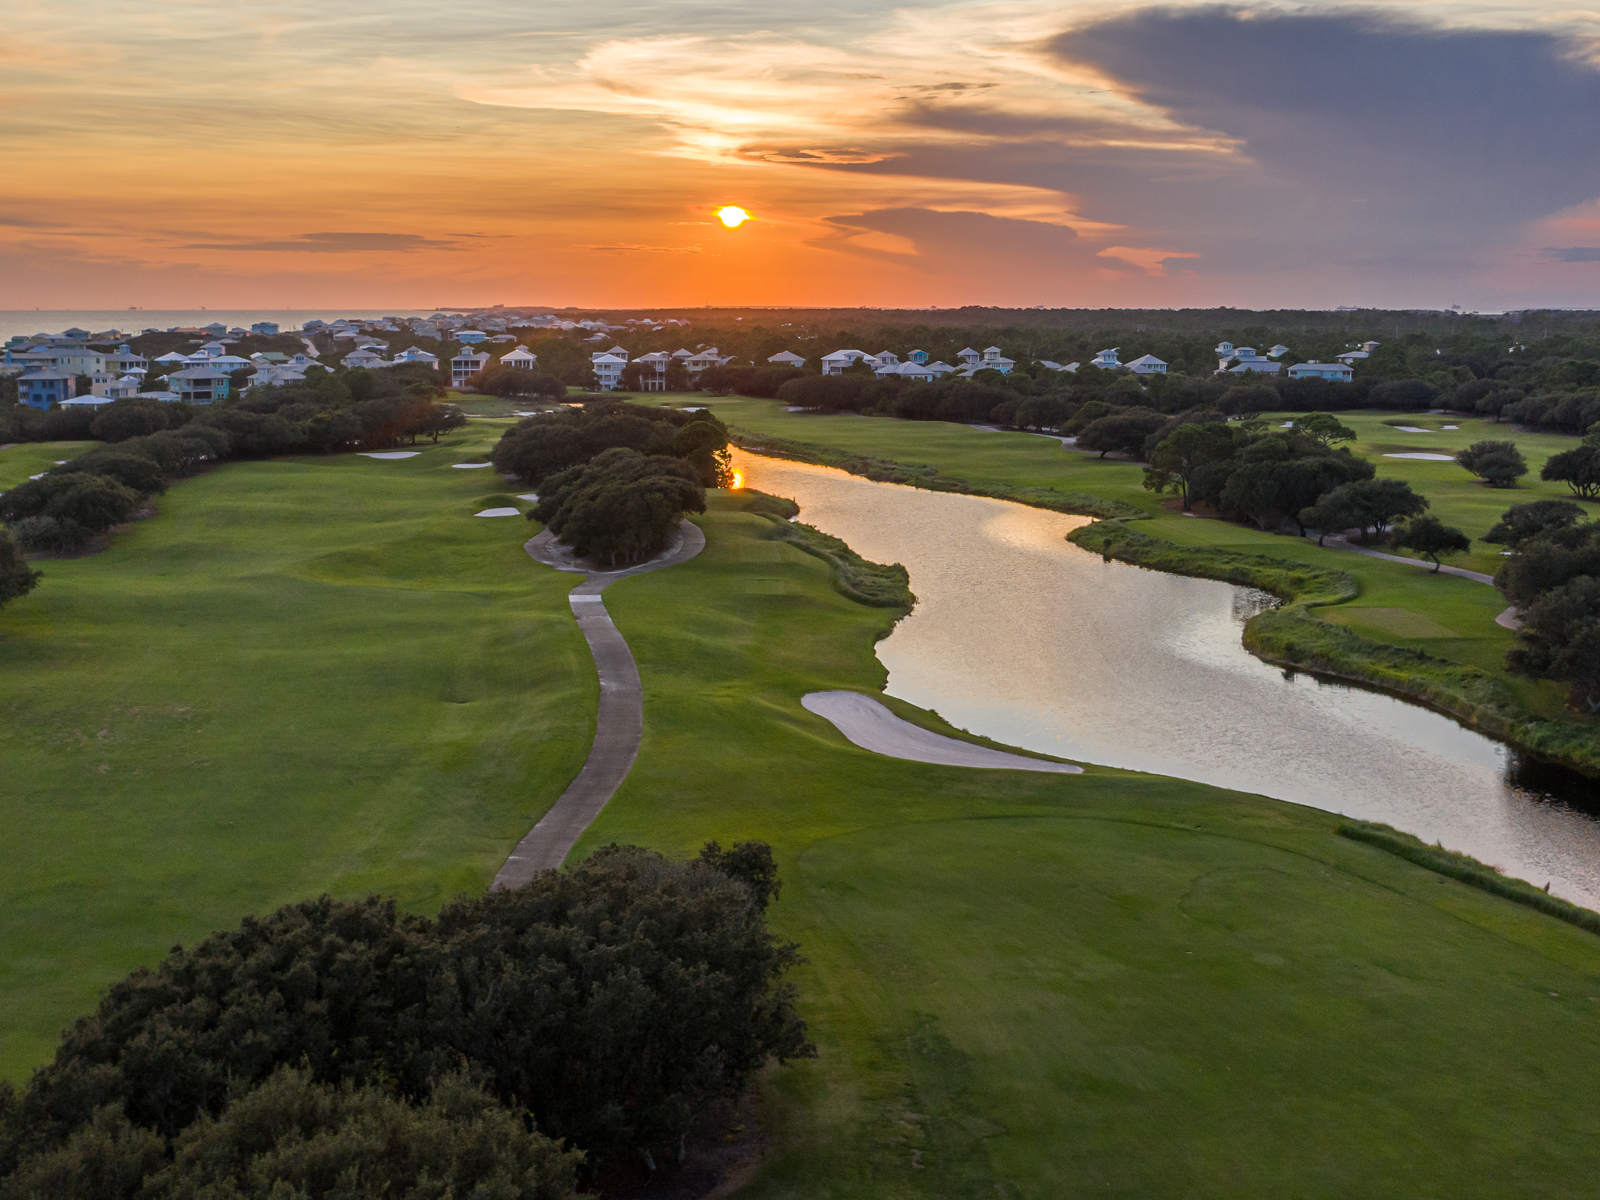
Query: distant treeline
{"x": 524, "y": 1040}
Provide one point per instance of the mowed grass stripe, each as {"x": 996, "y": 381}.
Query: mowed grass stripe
{"x": 310, "y": 675}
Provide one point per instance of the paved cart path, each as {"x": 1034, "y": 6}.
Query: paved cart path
{"x": 619, "y": 725}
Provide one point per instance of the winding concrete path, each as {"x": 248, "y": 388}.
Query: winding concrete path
{"x": 1340, "y": 542}
{"x": 873, "y": 727}
{"x": 619, "y": 725}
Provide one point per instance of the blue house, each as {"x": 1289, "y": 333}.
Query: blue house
{"x": 45, "y": 389}
{"x": 199, "y": 385}
{"x": 265, "y": 328}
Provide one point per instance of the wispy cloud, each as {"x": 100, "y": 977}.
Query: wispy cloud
{"x": 334, "y": 243}
{"x": 1573, "y": 254}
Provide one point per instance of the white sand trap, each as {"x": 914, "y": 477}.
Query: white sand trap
{"x": 499, "y": 512}
{"x": 1425, "y": 457}
{"x": 470, "y": 466}
{"x": 530, "y": 497}
{"x": 873, "y": 727}
{"x": 390, "y": 453}
{"x": 1449, "y": 427}
{"x": 61, "y": 462}
{"x": 1410, "y": 429}
{"x": 40, "y": 475}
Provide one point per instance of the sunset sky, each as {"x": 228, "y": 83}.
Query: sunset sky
{"x": 169, "y": 153}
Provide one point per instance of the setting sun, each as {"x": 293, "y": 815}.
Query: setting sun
{"x": 738, "y": 480}
{"x": 733, "y": 216}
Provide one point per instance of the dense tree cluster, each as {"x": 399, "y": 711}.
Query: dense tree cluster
{"x": 550, "y": 442}
{"x": 1554, "y": 578}
{"x": 604, "y": 1006}
{"x": 620, "y": 506}
{"x": 1244, "y": 470}
{"x": 513, "y": 381}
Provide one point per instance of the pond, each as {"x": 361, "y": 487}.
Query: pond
{"x": 1020, "y": 636}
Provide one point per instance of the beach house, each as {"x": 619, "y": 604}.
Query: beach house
{"x": 1148, "y": 364}
{"x": 1337, "y": 371}
{"x": 467, "y": 364}
{"x": 45, "y": 389}
{"x": 520, "y": 358}
{"x": 199, "y": 385}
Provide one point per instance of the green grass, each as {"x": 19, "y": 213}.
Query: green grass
{"x": 323, "y": 674}
{"x": 1104, "y": 984}
{"x": 27, "y": 459}
{"x": 304, "y": 675}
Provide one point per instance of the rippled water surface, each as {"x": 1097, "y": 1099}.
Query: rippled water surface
{"x": 1022, "y": 637}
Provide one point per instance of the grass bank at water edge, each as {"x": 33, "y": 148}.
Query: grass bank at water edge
{"x": 1292, "y": 636}
{"x": 884, "y": 470}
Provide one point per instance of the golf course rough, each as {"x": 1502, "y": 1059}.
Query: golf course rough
{"x": 1020, "y": 984}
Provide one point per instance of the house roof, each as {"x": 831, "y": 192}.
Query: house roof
{"x": 1147, "y": 358}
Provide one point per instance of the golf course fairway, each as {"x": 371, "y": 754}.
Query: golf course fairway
{"x": 323, "y": 674}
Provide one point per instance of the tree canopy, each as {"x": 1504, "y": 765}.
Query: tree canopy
{"x": 541, "y": 446}
{"x": 621, "y": 505}
{"x": 17, "y": 578}
{"x": 1430, "y": 537}
{"x": 613, "y": 1001}
{"x": 1499, "y": 464}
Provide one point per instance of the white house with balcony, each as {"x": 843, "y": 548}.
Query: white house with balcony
{"x": 368, "y": 359}
{"x": 835, "y": 363}
{"x": 653, "y": 370}
{"x": 467, "y": 364}
{"x": 607, "y": 366}
{"x": 414, "y": 355}
{"x": 969, "y": 357}
{"x": 1337, "y": 371}
{"x": 1148, "y": 364}
{"x": 520, "y": 358}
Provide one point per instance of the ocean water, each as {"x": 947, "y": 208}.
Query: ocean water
{"x": 27, "y": 322}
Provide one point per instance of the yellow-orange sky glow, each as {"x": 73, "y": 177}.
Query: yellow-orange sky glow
{"x": 170, "y": 153}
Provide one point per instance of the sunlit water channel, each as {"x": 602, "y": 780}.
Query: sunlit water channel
{"x": 1021, "y": 636}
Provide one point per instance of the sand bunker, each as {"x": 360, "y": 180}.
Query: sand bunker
{"x": 470, "y": 466}
{"x": 873, "y": 727}
{"x": 390, "y": 453}
{"x": 1411, "y": 429}
{"x": 530, "y": 497}
{"x": 499, "y": 512}
{"x": 1425, "y": 457}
